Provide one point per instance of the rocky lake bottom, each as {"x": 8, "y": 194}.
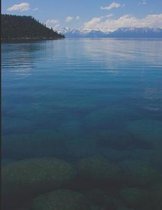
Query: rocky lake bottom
{"x": 82, "y": 125}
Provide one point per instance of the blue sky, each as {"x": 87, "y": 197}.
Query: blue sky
{"x": 105, "y": 15}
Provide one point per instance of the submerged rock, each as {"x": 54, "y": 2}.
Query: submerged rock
{"x": 36, "y": 144}
{"x": 46, "y": 143}
{"x": 102, "y": 199}
{"x": 7, "y": 161}
{"x": 36, "y": 174}
{"x": 136, "y": 172}
{"x": 124, "y": 208}
{"x": 120, "y": 140}
{"x": 146, "y": 130}
{"x": 156, "y": 197}
{"x": 80, "y": 147}
{"x": 134, "y": 197}
{"x": 108, "y": 117}
{"x": 61, "y": 200}
{"x": 98, "y": 119}
{"x": 98, "y": 168}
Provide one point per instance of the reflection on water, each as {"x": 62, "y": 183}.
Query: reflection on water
{"x": 18, "y": 58}
{"x": 137, "y": 51}
{"x": 82, "y": 125}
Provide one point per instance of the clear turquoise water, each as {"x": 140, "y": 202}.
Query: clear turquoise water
{"x": 73, "y": 99}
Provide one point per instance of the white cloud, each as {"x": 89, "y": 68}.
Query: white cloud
{"x": 143, "y": 2}
{"x": 107, "y": 24}
{"x": 113, "y": 5}
{"x": 19, "y": 7}
{"x": 109, "y": 15}
{"x": 53, "y": 23}
{"x": 68, "y": 19}
{"x": 77, "y": 18}
{"x": 93, "y": 24}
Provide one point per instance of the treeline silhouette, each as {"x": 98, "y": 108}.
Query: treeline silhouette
{"x": 25, "y": 28}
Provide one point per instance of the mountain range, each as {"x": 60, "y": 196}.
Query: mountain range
{"x": 119, "y": 33}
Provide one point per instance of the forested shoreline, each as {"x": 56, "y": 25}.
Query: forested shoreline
{"x": 17, "y": 28}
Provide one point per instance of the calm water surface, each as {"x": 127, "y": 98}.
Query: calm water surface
{"x": 87, "y": 99}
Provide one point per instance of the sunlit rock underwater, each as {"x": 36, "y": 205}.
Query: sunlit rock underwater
{"x": 31, "y": 176}
{"x": 61, "y": 200}
{"x": 99, "y": 169}
{"x": 139, "y": 173}
{"x": 134, "y": 197}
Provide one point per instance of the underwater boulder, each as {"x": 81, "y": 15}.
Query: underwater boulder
{"x": 95, "y": 207}
{"x": 71, "y": 128}
{"x": 9, "y": 125}
{"x": 122, "y": 155}
{"x": 146, "y": 130}
{"x": 103, "y": 199}
{"x": 108, "y": 117}
{"x": 124, "y": 208}
{"x": 157, "y": 159}
{"x": 98, "y": 168}
{"x": 134, "y": 197}
{"x": 140, "y": 173}
{"x": 101, "y": 119}
{"x": 37, "y": 144}
{"x": 144, "y": 155}
{"x": 6, "y": 161}
{"x": 121, "y": 140}
{"x": 34, "y": 175}
{"x": 97, "y": 196}
{"x": 156, "y": 196}
{"x": 61, "y": 200}
{"x": 80, "y": 147}
{"x": 98, "y": 119}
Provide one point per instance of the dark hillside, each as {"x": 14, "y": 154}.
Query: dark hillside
{"x": 25, "y": 28}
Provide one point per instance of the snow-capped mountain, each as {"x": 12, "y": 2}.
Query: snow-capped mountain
{"x": 75, "y": 33}
{"x": 121, "y": 32}
{"x": 137, "y": 33}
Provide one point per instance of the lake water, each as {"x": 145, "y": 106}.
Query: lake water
{"x": 94, "y": 103}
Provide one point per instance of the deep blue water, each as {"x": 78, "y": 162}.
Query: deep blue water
{"x": 73, "y": 99}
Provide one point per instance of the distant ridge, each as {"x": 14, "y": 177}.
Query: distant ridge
{"x": 17, "y": 28}
{"x": 137, "y": 33}
{"x": 119, "y": 33}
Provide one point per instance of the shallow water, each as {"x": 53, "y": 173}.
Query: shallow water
{"x": 75, "y": 99}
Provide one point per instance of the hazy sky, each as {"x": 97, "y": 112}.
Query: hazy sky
{"x": 105, "y": 15}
